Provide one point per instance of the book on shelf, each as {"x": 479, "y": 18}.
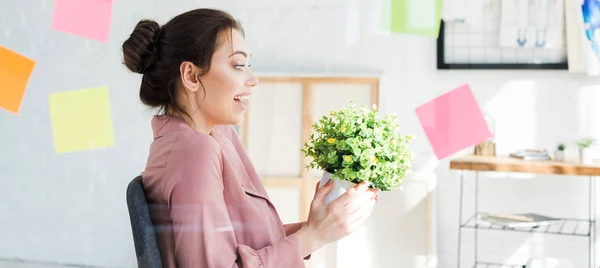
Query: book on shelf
{"x": 524, "y": 220}
{"x": 531, "y": 154}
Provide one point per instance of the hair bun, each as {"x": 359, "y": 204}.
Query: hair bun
{"x": 139, "y": 49}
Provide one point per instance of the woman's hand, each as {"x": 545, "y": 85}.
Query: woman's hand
{"x": 330, "y": 222}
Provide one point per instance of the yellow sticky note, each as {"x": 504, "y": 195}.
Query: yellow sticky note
{"x": 81, "y": 120}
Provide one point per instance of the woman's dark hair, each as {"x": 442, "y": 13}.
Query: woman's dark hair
{"x": 157, "y": 51}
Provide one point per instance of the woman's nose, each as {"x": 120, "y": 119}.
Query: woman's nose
{"x": 252, "y": 81}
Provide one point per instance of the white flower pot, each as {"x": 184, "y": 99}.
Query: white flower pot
{"x": 585, "y": 156}
{"x": 339, "y": 186}
{"x": 560, "y": 156}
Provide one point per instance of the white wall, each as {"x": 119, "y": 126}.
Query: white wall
{"x": 71, "y": 208}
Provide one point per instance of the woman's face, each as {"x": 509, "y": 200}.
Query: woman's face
{"x": 228, "y": 84}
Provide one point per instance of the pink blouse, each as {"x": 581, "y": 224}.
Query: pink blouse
{"x": 208, "y": 205}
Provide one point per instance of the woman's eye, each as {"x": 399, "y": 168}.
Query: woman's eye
{"x": 239, "y": 67}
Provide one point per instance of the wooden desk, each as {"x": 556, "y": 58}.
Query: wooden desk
{"x": 508, "y": 164}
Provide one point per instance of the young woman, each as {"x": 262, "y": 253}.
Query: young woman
{"x": 215, "y": 211}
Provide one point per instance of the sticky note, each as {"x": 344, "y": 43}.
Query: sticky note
{"x": 453, "y": 122}
{"x": 81, "y": 120}
{"x": 15, "y": 70}
{"x": 421, "y": 17}
{"x": 85, "y": 18}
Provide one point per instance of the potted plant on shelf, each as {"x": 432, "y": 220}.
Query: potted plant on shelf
{"x": 560, "y": 154}
{"x": 352, "y": 146}
{"x": 584, "y": 145}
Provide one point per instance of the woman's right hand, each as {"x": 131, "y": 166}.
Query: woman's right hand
{"x": 331, "y": 222}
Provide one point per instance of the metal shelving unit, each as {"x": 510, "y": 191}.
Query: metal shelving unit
{"x": 568, "y": 227}
{"x": 495, "y": 265}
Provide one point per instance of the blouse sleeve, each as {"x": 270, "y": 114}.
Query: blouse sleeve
{"x": 203, "y": 232}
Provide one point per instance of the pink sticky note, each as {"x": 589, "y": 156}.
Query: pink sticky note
{"x": 86, "y": 18}
{"x": 453, "y": 122}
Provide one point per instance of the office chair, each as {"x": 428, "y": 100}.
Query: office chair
{"x": 144, "y": 236}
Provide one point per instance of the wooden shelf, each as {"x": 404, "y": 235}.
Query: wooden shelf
{"x": 510, "y": 164}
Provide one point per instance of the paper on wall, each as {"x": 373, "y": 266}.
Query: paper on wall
{"x": 85, "y": 18}
{"x": 15, "y": 71}
{"x": 420, "y": 17}
{"x": 81, "y": 120}
{"x": 580, "y": 38}
{"x": 453, "y": 122}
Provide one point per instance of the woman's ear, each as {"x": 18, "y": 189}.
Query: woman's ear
{"x": 189, "y": 77}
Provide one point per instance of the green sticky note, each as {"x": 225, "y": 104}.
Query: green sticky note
{"x": 81, "y": 120}
{"x": 421, "y": 17}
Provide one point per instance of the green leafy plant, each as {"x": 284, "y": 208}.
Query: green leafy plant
{"x": 586, "y": 142}
{"x": 561, "y": 147}
{"x": 360, "y": 146}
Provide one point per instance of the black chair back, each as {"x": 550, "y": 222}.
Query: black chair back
{"x": 144, "y": 235}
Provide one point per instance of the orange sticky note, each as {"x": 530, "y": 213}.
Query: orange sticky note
{"x": 15, "y": 70}
{"x": 85, "y": 18}
{"x": 453, "y": 122}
